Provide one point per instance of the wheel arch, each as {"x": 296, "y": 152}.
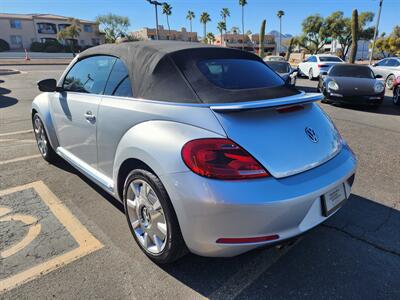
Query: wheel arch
{"x": 41, "y": 106}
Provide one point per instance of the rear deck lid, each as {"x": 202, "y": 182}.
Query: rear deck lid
{"x": 284, "y": 142}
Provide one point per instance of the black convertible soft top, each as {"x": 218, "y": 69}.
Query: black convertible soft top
{"x": 168, "y": 71}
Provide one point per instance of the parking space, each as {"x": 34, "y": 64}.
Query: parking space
{"x": 356, "y": 254}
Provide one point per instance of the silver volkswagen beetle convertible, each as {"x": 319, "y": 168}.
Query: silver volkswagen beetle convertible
{"x": 207, "y": 147}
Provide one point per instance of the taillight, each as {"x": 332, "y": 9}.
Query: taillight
{"x": 322, "y": 66}
{"x": 221, "y": 159}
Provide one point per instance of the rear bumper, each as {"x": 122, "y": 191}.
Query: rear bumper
{"x": 211, "y": 209}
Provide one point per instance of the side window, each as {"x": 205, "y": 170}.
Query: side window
{"x": 391, "y": 63}
{"x": 118, "y": 83}
{"x": 382, "y": 63}
{"x": 396, "y": 63}
{"x": 89, "y": 75}
{"x": 312, "y": 59}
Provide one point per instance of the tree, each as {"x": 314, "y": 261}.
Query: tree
{"x": 339, "y": 28}
{"x": 221, "y": 28}
{"x": 225, "y": 13}
{"x": 210, "y": 38}
{"x": 190, "y": 16}
{"x": 70, "y": 32}
{"x": 290, "y": 48}
{"x": 389, "y": 46}
{"x": 280, "y": 14}
{"x": 262, "y": 38}
{"x": 354, "y": 36}
{"x": 242, "y": 3}
{"x": 314, "y": 35}
{"x": 114, "y": 26}
{"x": 167, "y": 10}
{"x": 204, "y": 19}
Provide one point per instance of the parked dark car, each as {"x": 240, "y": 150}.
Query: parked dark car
{"x": 396, "y": 91}
{"x": 285, "y": 70}
{"x": 352, "y": 84}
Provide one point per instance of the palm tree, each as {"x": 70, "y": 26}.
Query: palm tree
{"x": 167, "y": 10}
{"x": 70, "y": 32}
{"x": 190, "y": 16}
{"x": 224, "y": 14}
{"x": 221, "y": 28}
{"x": 242, "y": 3}
{"x": 204, "y": 19}
{"x": 280, "y": 14}
{"x": 210, "y": 38}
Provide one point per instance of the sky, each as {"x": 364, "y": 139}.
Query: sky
{"x": 141, "y": 13}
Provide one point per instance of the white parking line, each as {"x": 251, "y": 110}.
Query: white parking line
{"x": 4, "y": 162}
{"x": 16, "y": 132}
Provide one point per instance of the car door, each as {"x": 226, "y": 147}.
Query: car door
{"x": 74, "y": 110}
{"x": 381, "y": 68}
{"x": 304, "y": 66}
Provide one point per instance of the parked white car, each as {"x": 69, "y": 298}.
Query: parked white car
{"x": 314, "y": 64}
{"x": 389, "y": 69}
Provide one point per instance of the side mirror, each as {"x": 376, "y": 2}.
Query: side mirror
{"x": 47, "y": 85}
{"x": 377, "y": 76}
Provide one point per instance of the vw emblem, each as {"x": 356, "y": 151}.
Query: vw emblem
{"x": 311, "y": 134}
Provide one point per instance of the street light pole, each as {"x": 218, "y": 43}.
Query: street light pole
{"x": 156, "y": 3}
{"x": 376, "y": 31}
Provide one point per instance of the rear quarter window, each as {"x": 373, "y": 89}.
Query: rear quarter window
{"x": 239, "y": 74}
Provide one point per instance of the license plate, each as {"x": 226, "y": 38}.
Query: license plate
{"x": 333, "y": 199}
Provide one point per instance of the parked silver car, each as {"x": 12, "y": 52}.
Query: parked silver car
{"x": 389, "y": 69}
{"x": 207, "y": 147}
{"x": 285, "y": 70}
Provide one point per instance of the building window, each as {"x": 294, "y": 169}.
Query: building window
{"x": 87, "y": 28}
{"x": 15, "y": 24}
{"x": 47, "y": 28}
{"x": 152, "y": 37}
{"x": 62, "y": 26}
{"x": 82, "y": 42}
{"x": 95, "y": 42}
{"x": 16, "y": 40}
{"x": 44, "y": 40}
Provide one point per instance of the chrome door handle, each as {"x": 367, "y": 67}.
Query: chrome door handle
{"x": 90, "y": 116}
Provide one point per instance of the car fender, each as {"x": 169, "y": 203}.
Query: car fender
{"x": 41, "y": 104}
{"x": 158, "y": 144}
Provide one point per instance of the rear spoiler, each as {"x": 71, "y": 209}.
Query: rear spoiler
{"x": 301, "y": 98}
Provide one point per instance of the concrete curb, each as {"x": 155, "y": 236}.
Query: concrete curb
{"x": 21, "y": 62}
{"x": 8, "y": 72}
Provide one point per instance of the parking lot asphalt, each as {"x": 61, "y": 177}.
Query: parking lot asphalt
{"x": 355, "y": 254}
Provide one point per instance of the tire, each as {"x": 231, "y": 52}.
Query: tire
{"x": 153, "y": 224}
{"x": 389, "y": 81}
{"x": 310, "y": 74}
{"x": 396, "y": 96}
{"x": 42, "y": 140}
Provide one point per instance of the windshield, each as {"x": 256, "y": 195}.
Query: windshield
{"x": 351, "y": 71}
{"x": 239, "y": 73}
{"x": 330, "y": 58}
{"x": 279, "y": 67}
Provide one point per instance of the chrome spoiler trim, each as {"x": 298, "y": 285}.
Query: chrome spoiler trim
{"x": 303, "y": 97}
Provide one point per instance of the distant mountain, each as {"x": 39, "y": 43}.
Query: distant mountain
{"x": 275, "y": 33}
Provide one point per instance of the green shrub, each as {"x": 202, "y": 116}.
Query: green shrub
{"x": 53, "y": 46}
{"x": 4, "y": 46}
{"x": 37, "y": 47}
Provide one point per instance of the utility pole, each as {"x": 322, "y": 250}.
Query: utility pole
{"x": 376, "y": 31}
{"x": 156, "y": 3}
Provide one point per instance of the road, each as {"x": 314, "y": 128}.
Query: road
{"x": 355, "y": 254}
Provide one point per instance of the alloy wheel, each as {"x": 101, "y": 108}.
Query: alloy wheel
{"x": 396, "y": 96}
{"x": 40, "y": 136}
{"x": 390, "y": 81}
{"x": 146, "y": 216}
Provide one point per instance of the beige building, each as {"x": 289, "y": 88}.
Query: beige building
{"x": 20, "y": 30}
{"x": 164, "y": 34}
{"x": 251, "y": 41}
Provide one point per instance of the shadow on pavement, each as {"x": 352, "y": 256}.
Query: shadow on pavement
{"x": 355, "y": 254}
{"x": 6, "y": 101}
{"x": 4, "y": 91}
